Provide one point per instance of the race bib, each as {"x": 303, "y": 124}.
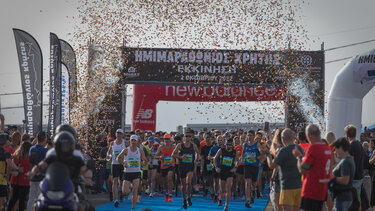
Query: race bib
{"x": 209, "y": 167}
{"x": 116, "y": 154}
{"x": 188, "y": 158}
{"x": 153, "y": 153}
{"x": 248, "y": 159}
{"x": 108, "y": 165}
{"x": 227, "y": 161}
{"x": 133, "y": 162}
{"x": 168, "y": 160}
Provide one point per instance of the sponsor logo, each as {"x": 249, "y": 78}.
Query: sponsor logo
{"x": 131, "y": 73}
{"x": 144, "y": 114}
{"x": 217, "y": 91}
{"x": 306, "y": 60}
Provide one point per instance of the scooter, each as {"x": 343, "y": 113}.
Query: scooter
{"x": 57, "y": 190}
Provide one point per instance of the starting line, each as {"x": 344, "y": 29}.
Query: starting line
{"x": 199, "y": 203}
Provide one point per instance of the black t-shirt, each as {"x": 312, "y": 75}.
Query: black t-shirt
{"x": 204, "y": 152}
{"x": 73, "y": 163}
{"x": 357, "y": 152}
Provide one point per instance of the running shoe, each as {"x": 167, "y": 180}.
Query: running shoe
{"x": 189, "y": 201}
{"x": 121, "y": 197}
{"x": 247, "y": 204}
{"x": 170, "y": 198}
{"x": 166, "y": 199}
{"x": 133, "y": 209}
{"x": 185, "y": 204}
{"x": 252, "y": 200}
{"x": 212, "y": 196}
{"x": 215, "y": 199}
{"x": 151, "y": 194}
{"x": 225, "y": 208}
{"x": 220, "y": 203}
{"x": 116, "y": 203}
{"x": 204, "y": 192}
{"x": 243, "y": 198}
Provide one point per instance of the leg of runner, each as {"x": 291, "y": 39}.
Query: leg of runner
{"x": 248, "y": 183}
{"x": 108, "y": 184}
{"x": 135, "y": 185}
{"x": 115, "y": 190}
{"x": 170, "y": 185}
{"x": 229, "y": 189}
{"x": 189, "y": 178}
{"x": 216, "y": 187}
{"x": 183, "y": 190}
{"x": 153, "y": 181}
{"x": 222, "y": 189}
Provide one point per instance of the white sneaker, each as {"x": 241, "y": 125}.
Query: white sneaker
{"x": 243, "y": 198}
{"x": 151, "y": 194}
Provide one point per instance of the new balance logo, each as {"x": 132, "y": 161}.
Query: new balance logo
{"x": 144, "y": 114}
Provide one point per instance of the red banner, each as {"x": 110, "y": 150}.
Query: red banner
{"x": 147, "y": 96}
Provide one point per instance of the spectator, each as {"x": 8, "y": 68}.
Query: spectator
{"x": 290, "y": 177}
{"x": 356, "y": 150}
{"x": 5, "y": 166}
{"x": 344, "y": 174}
{"x": 275, "y": 178}
{"x": 302, "y": 140}
{"x": 26, "y": 137}
{"x": 314, "y": 167}
{"x": 37, "y": 153}
{"x": 20, "y": 183}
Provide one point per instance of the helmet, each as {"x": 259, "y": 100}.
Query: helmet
{"x": 64, "y": 144}
{"x": 68, "y": 128}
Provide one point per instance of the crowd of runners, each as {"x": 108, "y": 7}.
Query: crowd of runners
{"x": 298, "y": 169}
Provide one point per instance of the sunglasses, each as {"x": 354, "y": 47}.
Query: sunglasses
{"x": 187, "y": 136}
{"x": 167, "y": 139}
{"x": 229, "y": 145}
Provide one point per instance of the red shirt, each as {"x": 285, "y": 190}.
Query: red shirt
{"x": 167, "y": 153}
{"x": 202, "y": 144}
{"x": 21, "y": 179}
{"x": 315, "y": 181}
{"x": 305, "y": 146}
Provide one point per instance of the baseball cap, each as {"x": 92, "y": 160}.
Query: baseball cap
{"x": 110, "y": 139}
{"x": 167, "y": 136}
{"x": 119, "y": 131}
{"x": 135, "y": 137}
{"x": 151, "y": 138}
{"x": 227, "y": 134}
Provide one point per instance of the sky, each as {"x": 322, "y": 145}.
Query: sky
{"x": 334, "y": 22}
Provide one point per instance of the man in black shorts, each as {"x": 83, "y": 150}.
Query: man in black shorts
{"x": 186, "y": 152}
{"x": 207, "y": 166}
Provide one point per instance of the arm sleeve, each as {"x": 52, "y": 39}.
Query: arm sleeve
{"x": 345, "y": 169}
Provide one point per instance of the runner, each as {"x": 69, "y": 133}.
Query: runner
{"x": 186, "y": 153}
{"x": 167, "y": 165}
{"x": 239, "y": 177}
{"x": 250, "y": 157}
{"x": 206, "y": 167}
{"x": 228, "y": 159}
{"x": 316, "y": 169}
{"x": 153, "y": 165}
{"x": 212, "y": 153}
{"x": 131, "y": 158}
{"x": 114, "y": 150}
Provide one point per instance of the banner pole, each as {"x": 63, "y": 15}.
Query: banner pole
{"x": 123, "y": 106}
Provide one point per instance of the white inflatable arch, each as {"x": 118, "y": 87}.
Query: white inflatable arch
{"x": 351, "y": 84}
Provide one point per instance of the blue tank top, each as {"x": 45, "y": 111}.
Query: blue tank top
{"x": 251, "y": 150}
